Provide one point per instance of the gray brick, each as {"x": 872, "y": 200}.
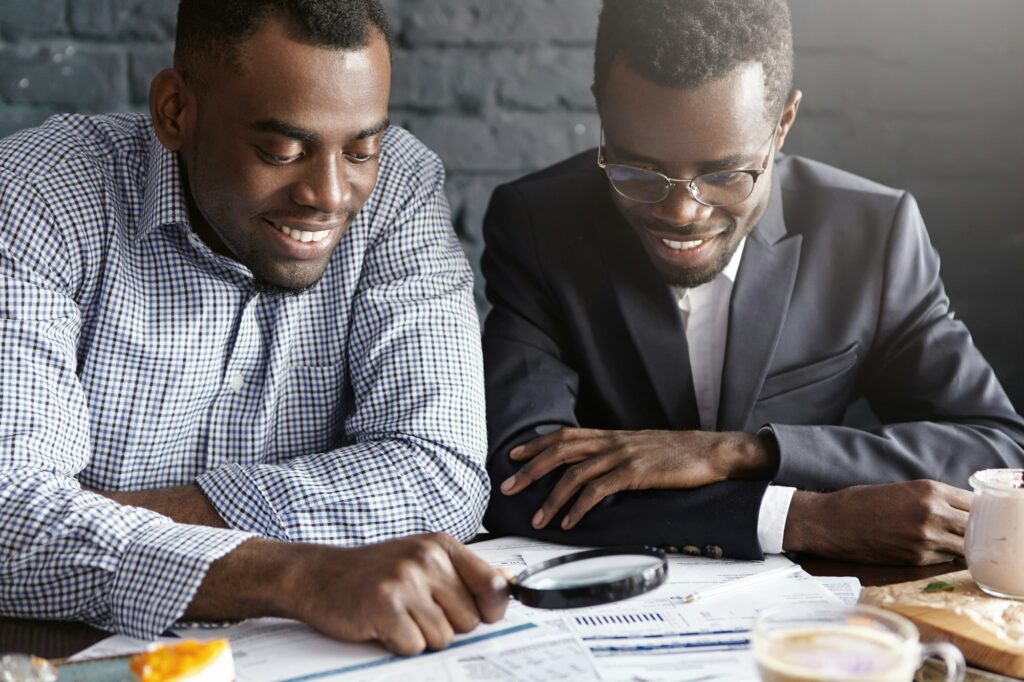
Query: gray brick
{"x": 548, "y": 78}
{"x": 490, "y": 22}
{"x": 905, "y": 26}
{"x": 14, "y": 117}
{"x": 65, "y": 75}
{"x": 506, "y": 143}
{"x": 146, "y": 61}
{"x": 124, "y": 19}
{"x": 434, "y": 79}
{"x": 21, "y": 19}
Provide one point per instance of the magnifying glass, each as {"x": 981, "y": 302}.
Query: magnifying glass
{"x": 590, "y": 578}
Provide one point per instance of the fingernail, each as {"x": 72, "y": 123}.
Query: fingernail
{"x": 498, "y": 583}
{"x": 508, "y": 484}
{"x": 538, "y": 519}
{"x": 566, "y": 523}
{"x": 515, "y": 451}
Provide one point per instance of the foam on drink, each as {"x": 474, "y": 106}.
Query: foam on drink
{"x": 834, "y": 652}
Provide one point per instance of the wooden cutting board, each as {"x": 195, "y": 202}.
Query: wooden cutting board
{"x": 936, "y": 616}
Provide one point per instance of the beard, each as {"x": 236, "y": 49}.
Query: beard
{"x": 265, "y": 287}
{"x": 688, "y": 278}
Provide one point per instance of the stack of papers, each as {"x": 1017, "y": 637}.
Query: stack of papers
{"x": 656, "y": 636}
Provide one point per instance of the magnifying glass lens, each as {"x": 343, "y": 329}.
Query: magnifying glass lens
{"x": 587, "y": 572}
{"x": 589, "y": 578}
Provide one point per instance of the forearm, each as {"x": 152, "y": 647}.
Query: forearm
{"x": 356, "y": 495}
{"x": 834, "y": 457}
{"x": 746, "y": 455}
{"x": 183, "y": 504}
{"x": 258, "y": 578}
{"x": 806, "y": 524}
{"x": 723, "y": 514}
{"x": 72, "y": 555}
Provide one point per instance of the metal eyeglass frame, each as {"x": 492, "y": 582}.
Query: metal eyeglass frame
{"x": 670, "y": 183}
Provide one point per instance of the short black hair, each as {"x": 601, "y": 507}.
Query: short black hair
{"x": 687, "y": 43}
{"x": 211, "y": 30}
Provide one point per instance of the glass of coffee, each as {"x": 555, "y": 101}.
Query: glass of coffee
{"x": 994, "y": 543}
{"x": 839, "y": 643}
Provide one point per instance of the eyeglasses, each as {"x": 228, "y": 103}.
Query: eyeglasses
{"x": 720, "y": 188}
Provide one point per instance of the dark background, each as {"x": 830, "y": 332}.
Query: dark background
{"x": 921, "y": 94}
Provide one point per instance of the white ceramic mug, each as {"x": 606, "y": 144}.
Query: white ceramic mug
{"x": 855, "y": 643}
{"x": 994, "y": 544}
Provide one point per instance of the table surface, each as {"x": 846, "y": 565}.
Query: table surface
{"x": 53, "y": 639}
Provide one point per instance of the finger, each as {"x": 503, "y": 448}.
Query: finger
{"x": 537, "y": 445}
{"x": 488, "y": 587}
{"x": 401, "y": 635}
{"x": 458, "y": 604}
{"x": 562, "y": 452}
{"x": 951, "y": 544}
{"x": 574, "y": 478}
{"x": 957, "y": 522}
{"x": 594, "y": 492}
{"x": 436, "y": 630}
{"x": 960, "y": 498}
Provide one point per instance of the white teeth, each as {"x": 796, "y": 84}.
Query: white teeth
{"x": 680, "y": 246}
{"x": 303, "y": 235}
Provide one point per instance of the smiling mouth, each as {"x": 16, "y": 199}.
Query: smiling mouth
{"x": 303, "y": 236}
{"x": 682, "y": 246}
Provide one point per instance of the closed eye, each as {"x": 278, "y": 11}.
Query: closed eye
{"x": 356, "y": 157}
{"x": 276, "y": 159}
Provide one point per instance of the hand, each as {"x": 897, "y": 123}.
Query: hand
{"x": 915, "y": 522}
{"x": 410, "y": 594}
{"x": 601, "y": 463}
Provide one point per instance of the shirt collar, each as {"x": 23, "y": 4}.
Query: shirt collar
{"x": 733, "y": 266}
{"x": 163, "y": 199}
{"x": 728, "y": 272}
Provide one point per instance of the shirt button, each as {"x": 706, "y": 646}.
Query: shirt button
{"x": 236, "y": 382}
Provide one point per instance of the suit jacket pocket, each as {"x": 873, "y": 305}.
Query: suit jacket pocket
{"x": 819, "y": 372}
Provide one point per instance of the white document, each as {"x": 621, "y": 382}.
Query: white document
{"x": 652, "y": 637}
{"x": 846, "y": 589}
{"x": 657, "y": 636}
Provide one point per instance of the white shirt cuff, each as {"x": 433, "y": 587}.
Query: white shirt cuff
{"x": 771, "y": 520}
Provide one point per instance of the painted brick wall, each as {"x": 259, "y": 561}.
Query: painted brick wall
{"x": 922, "y": 94}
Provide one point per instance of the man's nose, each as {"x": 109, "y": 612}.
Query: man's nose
{"x": 681, "y": 208}
{"x": 325, "y": 186}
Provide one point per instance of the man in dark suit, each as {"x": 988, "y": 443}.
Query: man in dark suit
{"x": 685, "y": 315}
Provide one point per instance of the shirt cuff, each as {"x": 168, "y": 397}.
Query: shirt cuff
{"x": 160, "y": 573}
{"x": 771, "y": 520}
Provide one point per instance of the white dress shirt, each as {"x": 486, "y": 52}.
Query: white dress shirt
{"x": 705, "y": 313}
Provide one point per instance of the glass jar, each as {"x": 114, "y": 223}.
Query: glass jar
{"x": 994, "y": 544}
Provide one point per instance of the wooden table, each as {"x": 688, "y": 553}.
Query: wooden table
{"x": 59, "y": 640}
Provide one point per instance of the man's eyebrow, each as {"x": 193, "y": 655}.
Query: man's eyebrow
{"x": 373, "y": 130}
{"x": 273, "y": 125}
{"x": 731, "y": 161}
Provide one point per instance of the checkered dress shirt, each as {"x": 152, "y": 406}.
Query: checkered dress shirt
{"x": 134, "y": 357}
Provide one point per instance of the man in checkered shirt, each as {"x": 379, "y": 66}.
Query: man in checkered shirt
{"x": 239, "y": 345}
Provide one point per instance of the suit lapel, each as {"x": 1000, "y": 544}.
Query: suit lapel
{"x": 760, "y": 301}
{"x": 650, "y": 314}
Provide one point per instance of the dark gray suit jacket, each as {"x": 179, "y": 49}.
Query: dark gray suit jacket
{"x": 838, "y": 296}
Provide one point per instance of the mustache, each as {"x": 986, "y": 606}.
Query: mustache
{"x": 345, "y": 215}
{"x": 688, "y": 231}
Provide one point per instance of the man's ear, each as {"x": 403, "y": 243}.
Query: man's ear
{"x": 788, "y": 116}
{"x": 172, "y": 107}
